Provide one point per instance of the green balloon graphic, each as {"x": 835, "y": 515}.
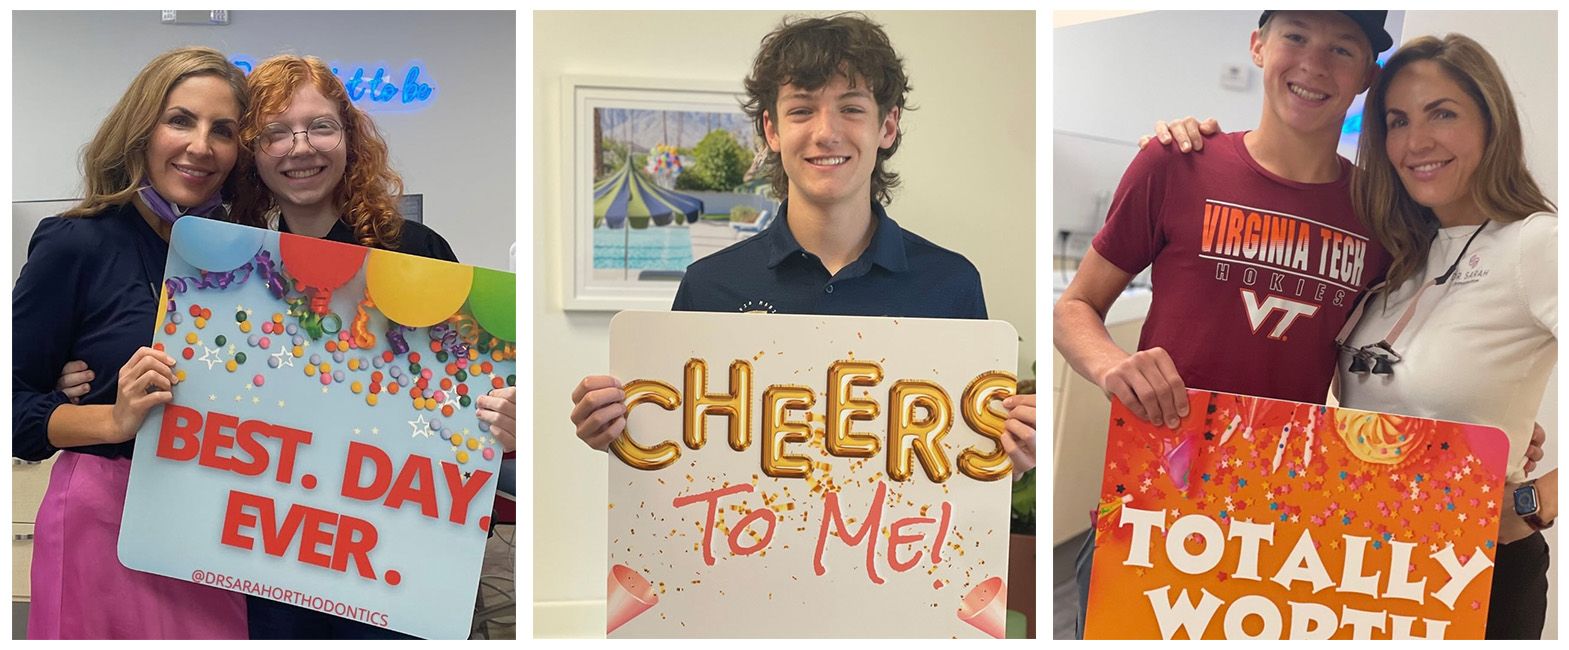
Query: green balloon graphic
{"x": 493, "y": 299}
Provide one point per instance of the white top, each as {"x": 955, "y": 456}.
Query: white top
{"x": 1479, "y": 348}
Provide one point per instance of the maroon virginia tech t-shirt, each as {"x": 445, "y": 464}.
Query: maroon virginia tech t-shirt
{"x": 1253, "y": 274}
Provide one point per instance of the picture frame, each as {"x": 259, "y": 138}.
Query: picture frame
{"x": 662, "y": 172}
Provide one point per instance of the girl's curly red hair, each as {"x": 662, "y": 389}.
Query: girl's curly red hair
{"x": 367, "y": 197}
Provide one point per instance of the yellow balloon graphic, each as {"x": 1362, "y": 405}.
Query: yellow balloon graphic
{"x": 416, "y": 291}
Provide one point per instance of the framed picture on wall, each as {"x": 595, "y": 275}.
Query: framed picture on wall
{"x": 662, "y": 173}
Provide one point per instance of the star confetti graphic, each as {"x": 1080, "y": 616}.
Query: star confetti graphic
{"x": 1389, "y": 480}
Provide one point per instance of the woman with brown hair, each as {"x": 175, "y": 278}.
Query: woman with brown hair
{"x": 89, "y": 290}
{"x": 1466, "y": 325}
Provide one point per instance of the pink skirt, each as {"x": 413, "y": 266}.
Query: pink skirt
{"x": 80, "y": 589}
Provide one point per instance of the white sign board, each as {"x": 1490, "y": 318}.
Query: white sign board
{"x": 809, "y": 476}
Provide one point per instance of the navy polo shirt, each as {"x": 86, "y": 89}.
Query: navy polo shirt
{"x": 899, "y": 274}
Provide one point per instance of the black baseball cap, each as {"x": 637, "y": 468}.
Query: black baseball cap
{"x": 1371, "y": 22}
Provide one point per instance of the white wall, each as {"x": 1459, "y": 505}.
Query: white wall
{"x": 70, "y": 67}
{"x": 1113, "y": 78}
{"x": 1525, "y": 44}
{"x": 968, "y": 163}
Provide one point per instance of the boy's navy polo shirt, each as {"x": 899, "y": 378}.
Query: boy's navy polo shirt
{"x": 899, "y": 274}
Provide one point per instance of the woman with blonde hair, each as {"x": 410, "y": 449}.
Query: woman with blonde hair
{"x": 1466, "y": 326}
{"x": 89, "y": 290}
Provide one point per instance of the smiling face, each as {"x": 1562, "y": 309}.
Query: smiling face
{"x": 1315, "y": 63}
{"x": 195, "y": 143}
{"x": 827, "y": 140}
{"x": 1437, "y": 135}
{"x": 304, "y": 178}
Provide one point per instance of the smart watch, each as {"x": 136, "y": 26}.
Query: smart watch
{"x": 1529, "y": 506}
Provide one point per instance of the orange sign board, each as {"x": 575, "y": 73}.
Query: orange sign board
{"x": 1267, "y": 519}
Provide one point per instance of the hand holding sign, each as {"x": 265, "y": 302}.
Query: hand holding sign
{"x": 599, "y": 410}
{"x": 145, "y": 382}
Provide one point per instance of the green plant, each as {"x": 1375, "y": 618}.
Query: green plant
{"x": 719, "y": 163}
{"x": 1022, "y": 513}
{"x": 744, "y": 214}
{"x": 614, "y": 156}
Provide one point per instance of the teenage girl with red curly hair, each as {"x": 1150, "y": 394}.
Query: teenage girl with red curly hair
{"x": 321, "y": 170}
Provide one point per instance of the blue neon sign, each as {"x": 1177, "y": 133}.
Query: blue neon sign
{"x": 374, "y": 87}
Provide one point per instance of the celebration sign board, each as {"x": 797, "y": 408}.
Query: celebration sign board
{"x": 1267, "y": 519}
{"x": 809, "y": 476}
{"x": 322, "y": 447}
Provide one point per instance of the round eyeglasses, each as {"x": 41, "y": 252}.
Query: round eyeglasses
{"x": 277, "y": 140}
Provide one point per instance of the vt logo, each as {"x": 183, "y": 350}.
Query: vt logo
{"x": 1290, "y": 310}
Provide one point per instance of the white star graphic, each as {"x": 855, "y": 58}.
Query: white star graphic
{"x": 356, "y": 431}
{"x": 280, "y": 403}
{"x": 284, "y": 357}
{"x": 421, "y": 426}
{"x": 375, "y": 431}
{"x": 255, "y": 400}
{"x": 212, "y": 398}
{"x": 210, "y": 357}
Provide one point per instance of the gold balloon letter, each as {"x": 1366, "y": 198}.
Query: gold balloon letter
{"x": 736, "y": 405}
{"x": 994, "y": 385}
{"x": 778, "y": 401}
{"x": 924, "y": 436}
{"x": 844, "y": 409}
{"x": 642, "y": 391}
